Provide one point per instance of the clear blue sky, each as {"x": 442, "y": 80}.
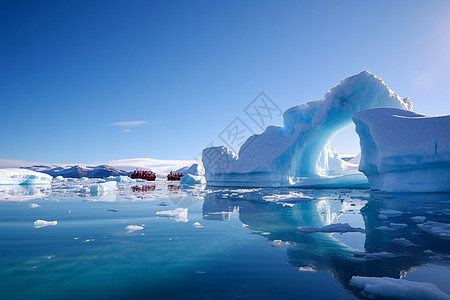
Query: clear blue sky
{"x": 69, "y": 69}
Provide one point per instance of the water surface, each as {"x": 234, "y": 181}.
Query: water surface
{"x": 233, "y": 243}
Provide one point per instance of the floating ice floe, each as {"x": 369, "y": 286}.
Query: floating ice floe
{"x": 397, "y": 288}
{"x": 389, "y": 213}
{"x": 43, "y": 223}
{"x": 15, "y": 176}
{"x": 306, "y": 269}
{"x": 403, "y": 151}
{"x": 339, "y": 227}
{"x": 280, "y": 243}
{"x": 441, "y": 230}
{"x": 418, "y": 219}
{"x": 197, "y": 225}
{"x": 298, "y": 153}
{"x": 178, "y": 214}
{"x": 404, "y": 242}
{"x": 133, "y": 228}
{"x": 33, "y": 205}
{"x": 392, "y": 227}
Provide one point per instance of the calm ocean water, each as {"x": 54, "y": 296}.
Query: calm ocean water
{"x": 229, "y": 243}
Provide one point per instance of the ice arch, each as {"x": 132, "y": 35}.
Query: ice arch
{"x": 290, "y": 154}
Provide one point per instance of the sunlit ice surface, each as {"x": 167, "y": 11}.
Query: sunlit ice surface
{"x": 161, "y": 240}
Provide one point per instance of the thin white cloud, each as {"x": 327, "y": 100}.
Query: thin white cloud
{"x": 129, "y": 123}
{"x": 126, "y": 130}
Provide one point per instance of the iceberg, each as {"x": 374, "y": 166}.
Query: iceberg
{"x": 189, "y": 179}
{"x": 298, "y": 153}
{"x": 23, "y": 177}
{"x": 121, "y": 179}
{"x": 99, "y": 189}
{"x": 403, "y": 151}
{"x": 194, "y": 169}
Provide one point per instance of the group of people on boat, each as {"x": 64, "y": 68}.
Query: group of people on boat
{"x": 174, "y": 176}
{"x": 150, "y": 176}
{"x": 147, "y": 175}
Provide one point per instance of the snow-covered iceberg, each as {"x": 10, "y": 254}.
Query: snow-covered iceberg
{"x": 195, "y": 169}
{"x": 23, "y": 177}
{"x": 101, "y": 188}
{"x": 403, "y": 151}
{"x": 298, "y": 154}
{"x": 189, "y": 179}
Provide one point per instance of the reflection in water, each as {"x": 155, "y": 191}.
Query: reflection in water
{"x": 394, "y": 242}
{"x": 23, "y": 192}
{"x": 143, "y": 188}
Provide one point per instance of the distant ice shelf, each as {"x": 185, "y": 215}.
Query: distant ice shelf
{"x": 298, "y": 153}
{"x": 15, "y": 176}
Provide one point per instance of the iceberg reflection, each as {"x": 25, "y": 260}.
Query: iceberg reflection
{"x": 395, "y": 241}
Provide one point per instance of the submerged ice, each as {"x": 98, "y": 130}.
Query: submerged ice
{"x": 298, "y": 153}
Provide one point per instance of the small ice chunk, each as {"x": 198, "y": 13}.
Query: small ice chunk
{"x": 338, "y": 227}
{"x": 397, "y": 288}
{"x": 418, "y": 219}
{"x": 306, "y": 269}
{"x": 197, "y": 225}
{"x": 280, "y": 243}
{"x": 404, "y": 242}
{"x": 391, "y": 213}
{"x": 133, "y": 228}
{"x": 441, "y": 230}
{"x": 398, "y": 225}
{"x": 392, "y": 227}
{"x": 178, "y": 214}
{"x": 43, "y": 223}
{"x": 382, "y": 217}
{"x": 33, "y": 205}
